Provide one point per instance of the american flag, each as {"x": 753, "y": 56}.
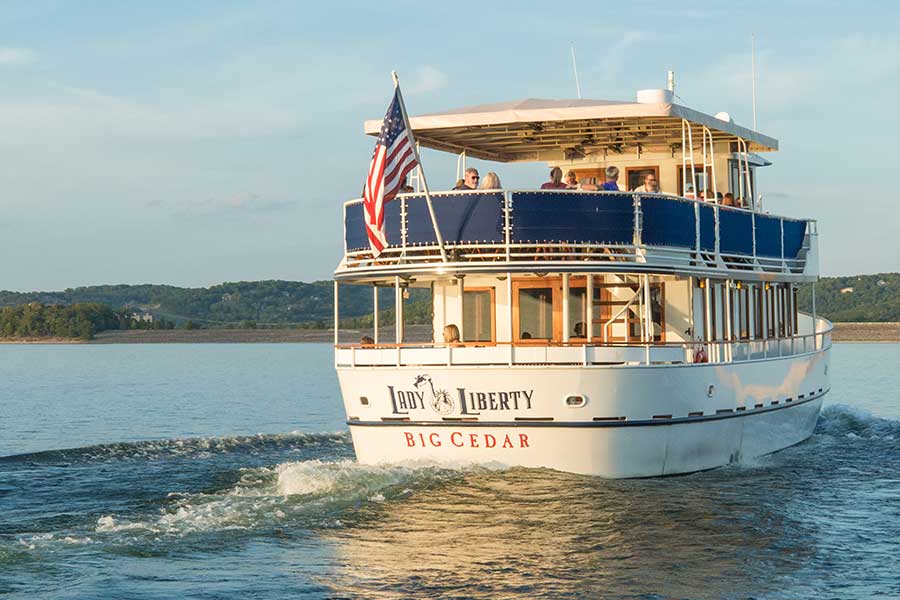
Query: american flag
{"x": 393, "y": 159}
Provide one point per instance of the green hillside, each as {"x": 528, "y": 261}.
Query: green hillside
{"x": 286, "y": 303}
{"x": 262, "y": 302}
{"x": 874, "y": 298}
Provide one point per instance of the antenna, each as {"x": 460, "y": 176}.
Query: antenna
{"x": 575, "y": 68}
{"x": 753, "y": 74}
{"x": 670, "y": 81}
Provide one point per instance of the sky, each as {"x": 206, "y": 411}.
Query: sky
{"x": 191, "y": 143}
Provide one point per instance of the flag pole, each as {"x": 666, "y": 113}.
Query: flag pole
{"x": 415, "y": 149}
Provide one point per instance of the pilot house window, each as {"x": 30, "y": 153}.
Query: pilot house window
{"x": 536, "y": 313}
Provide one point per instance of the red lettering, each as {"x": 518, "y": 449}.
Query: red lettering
{"x": 507, "y": 443}
{"x": 422, "y": 437}
{"x": 473, "y": 440}
{"x": 489, "y": 440}
{"x": 410, "y": 440}
{"x": 435, "y": 440}
{"x": 523, "y": 440}
{"x": 453, "y": 439}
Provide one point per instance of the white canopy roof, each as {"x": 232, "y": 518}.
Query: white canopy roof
{"x": 541, "y": 130}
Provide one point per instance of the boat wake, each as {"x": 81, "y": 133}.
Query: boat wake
{"x": 841, "y": 420}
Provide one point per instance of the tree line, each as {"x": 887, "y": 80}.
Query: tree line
{"x": 78, "y": 321}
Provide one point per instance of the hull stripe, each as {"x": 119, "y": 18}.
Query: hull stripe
{"x": 639, "y": 423}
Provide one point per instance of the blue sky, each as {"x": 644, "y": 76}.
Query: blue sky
{"x": 195, "y": 143}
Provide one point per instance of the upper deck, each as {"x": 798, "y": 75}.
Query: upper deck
{"x": 590, "y": 231}
{"x": 576, "y": 231}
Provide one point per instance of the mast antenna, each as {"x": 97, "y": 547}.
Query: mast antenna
{"x": 753, "y": 75}
{"x": 575, "y": 68}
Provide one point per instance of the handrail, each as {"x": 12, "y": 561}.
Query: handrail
{"x": 745, "y": 253}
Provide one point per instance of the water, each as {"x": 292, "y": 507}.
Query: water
{"x": 225, "y": 471}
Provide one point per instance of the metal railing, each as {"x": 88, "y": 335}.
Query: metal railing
{"x": 594, "y": 354}
{"x": 505, "y": 252}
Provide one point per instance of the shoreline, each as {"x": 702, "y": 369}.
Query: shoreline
{"x": 843, "y": 332}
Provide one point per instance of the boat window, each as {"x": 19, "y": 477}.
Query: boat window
{"x": 758, "y": 313}
{"x": 578, "y": 312}
{"x": 478, "y": 315}
{"x": 535, "y": 313}
{"x": 634, "y": 176}
{"x": 701, "y": 179}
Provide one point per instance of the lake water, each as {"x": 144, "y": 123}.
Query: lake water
{"x": 225, "y": 471}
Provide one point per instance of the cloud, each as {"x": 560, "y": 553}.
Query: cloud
{"x": 428, "y": 79}
{"x": 16, "y": 56}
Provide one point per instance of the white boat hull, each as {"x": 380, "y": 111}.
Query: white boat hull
{"x": 635, "y": 422}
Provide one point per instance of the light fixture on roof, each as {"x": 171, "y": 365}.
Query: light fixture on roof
{"x": 724, "y": 116}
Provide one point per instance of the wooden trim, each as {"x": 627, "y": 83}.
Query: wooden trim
{"x": 493, "y": 311}
{"x": 555, "y": 285}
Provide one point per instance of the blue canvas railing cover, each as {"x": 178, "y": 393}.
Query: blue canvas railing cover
{"x": 576, "y": 218}
{"x": 566, "y": 217}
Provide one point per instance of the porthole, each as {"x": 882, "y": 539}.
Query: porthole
{"x": 710, "y": 391}
{"x": 575, "y": 401}
{"x": 363, "y": 400}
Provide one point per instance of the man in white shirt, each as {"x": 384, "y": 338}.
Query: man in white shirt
{"x": 651, "y": 185}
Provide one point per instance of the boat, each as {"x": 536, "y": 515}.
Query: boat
{"x": 611, "y": 333}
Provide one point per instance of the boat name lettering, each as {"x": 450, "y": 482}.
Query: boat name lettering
{"x": 460, "y": 439}
{"x": 425, "y": 395}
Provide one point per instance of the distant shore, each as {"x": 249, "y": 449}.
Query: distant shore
{"x": 843, "y": 332}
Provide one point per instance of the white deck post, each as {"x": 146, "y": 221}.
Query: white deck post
{"x": 589, "y": 291}
{"x": 565, "y": 307}
{"x": 460, "y": 283}
{"x": 375, "y": 314}
{"x": 509, "y": 313}
{"x": 336, "y": 315}
{"x": 398, "y": 312}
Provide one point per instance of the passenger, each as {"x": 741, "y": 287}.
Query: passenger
{"x": 702, "y": 195}
{"x": 579, "y": 329}
{"x": 526, "y": 335}
{"x": 612, "y": 175}
{"x": 490, "y": 182}
{"x": 571, "y": 180}
{"x": 719, "y": 197}
{"x": 650, "y": 185}
{"x": 587, "y": 186}
{"x": 460, "y": 184}
{"x": 728, "y": 199}
{"x": 451, "y": 334}
{"x": 470, "y": 181}
{"x": 690, "y": 193}
{"x": 556, "y": 182}
{"x": 405, "y": 188}
{"x": 366, "y": 340}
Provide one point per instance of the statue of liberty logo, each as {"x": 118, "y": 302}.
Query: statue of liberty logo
{"x": 441, "y": 402}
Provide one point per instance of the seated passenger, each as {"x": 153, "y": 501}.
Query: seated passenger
{"x": 571, "y": 180}
{"x": 689, "y": 193}
{"x": 405, "y": 188}
{"x": 728, "y": 199}
{"x": 366, "y": 340}
{"x": 451, "y": 334}
{"x": 470, "y": 181}
{"x": 490, "y": 182}
{"x": 650, "y": 185}
{"x": 612, "y": 175}
{"x": 579, "y": 329}
{"x": 556, "y": 182}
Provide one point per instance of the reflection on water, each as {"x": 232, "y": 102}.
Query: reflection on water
{"x": 548, "y": 534}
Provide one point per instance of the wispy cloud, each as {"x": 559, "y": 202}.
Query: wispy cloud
{"x": 16, "y": 56}
{"x": 428, "y": 79}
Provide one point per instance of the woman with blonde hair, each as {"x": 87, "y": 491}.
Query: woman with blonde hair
{"x": 490, "y": 182}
